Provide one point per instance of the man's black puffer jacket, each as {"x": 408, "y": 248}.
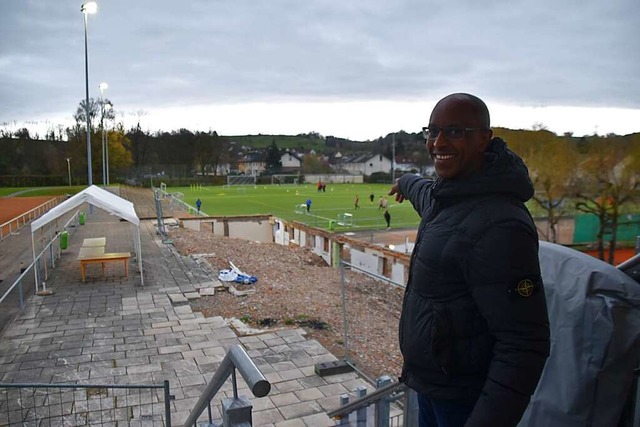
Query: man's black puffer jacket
{"x": 474, "y": 322}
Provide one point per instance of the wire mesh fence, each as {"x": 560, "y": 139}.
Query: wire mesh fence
{"x": 371, "y": 312}
{"x": 49, "y": 405}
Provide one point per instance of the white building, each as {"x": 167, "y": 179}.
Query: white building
{"x": 252, "y": 164}
{"x": 365, "y": 164}
{"x": 291, "y": 162}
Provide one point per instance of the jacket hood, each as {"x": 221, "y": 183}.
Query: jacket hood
{"x": 503, "y": 173}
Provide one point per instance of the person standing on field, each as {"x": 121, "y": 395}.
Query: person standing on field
{"x": 356, "y": 202}
{"x": 198, "y": 204}
{"x": 474, "y": 329}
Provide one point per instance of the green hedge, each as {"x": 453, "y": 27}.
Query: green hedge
{"x": 32, "y": 180}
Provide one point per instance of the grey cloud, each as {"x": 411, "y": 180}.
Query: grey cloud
{"x": 162, "y": 53}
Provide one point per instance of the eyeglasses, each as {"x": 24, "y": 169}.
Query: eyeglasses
{"x": 452, "y": 132}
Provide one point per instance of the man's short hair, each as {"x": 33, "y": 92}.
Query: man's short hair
{"x": 478, "y": 105}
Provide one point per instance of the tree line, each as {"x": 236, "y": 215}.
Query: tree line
{"x": 135, "y": 152}
{"x": 598, "y": 175}
{"x": 593, "y": 174}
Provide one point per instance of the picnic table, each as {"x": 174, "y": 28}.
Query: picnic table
{"x": 92, "y": 252}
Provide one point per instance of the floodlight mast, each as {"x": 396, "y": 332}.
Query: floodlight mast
{"x": 87, "y": 9}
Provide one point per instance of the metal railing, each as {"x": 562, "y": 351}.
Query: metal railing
{"x": 358, "y": 412}
{"x": 236, "y": 411}
{"x": 20, "y": 221}
{"x": 88, "y": 404}
{"x": 179, "y": 202}
{"x": 44, "y": 260}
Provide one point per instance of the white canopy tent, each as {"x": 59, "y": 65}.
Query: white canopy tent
{"x": 99, "y": 198}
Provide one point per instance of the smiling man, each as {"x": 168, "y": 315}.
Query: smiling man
{"x": 474, "y": 331}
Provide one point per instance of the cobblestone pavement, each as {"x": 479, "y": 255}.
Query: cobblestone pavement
{"x": 111, "y": 330}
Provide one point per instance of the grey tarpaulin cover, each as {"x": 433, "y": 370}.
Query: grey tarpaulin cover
{"x": 594, "y": 313}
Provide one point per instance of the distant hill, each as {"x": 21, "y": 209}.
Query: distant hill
{"x": 318, "y": 143}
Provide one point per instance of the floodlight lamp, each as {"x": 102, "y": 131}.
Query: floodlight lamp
{"x": 89, "y": 8}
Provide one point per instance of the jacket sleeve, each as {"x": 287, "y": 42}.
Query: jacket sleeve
{"x": 415, "y": 189}
{"x": 503, "y": 268}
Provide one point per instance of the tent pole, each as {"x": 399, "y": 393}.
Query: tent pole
{"x": 35, "y": 268}
{"x": 139, "y": 249}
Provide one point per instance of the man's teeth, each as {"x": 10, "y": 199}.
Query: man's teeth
{"x": 444, "y": 156}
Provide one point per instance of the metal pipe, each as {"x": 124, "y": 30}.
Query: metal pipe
{"x": 236, "y": 358}
{"x": 104, "y": 165}
{"x": 167, "y": 405}
{"x": 345, "y": 321}
{"x": 367, "y": 400}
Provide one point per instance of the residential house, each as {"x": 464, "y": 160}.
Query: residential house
{"x": 291, "y": 162}
{"x": 252, "y": 164}
{"x": 365, "y": 164}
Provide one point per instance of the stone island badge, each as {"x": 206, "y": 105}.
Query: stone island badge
{"x": 524, "y": 288}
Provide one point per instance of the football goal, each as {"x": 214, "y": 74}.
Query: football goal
{"x": 240, "y": 180}
{"x": 285, "y": 179}
{"x": 345, "y": 220}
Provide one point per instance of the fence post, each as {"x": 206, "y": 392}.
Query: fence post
{"x": 411, "y": 416}
{"x": 383, "y": 407}
{"x": 21, "y": 292}
{"x": 53, "y": 263}
{"x": 345, "y": 322}
{"x": 344, "y": 420}
{"x": 167, "y": 404}
{"x": 361, "y": 414}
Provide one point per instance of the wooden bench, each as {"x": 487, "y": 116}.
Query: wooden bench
{"x": 103, "y": 259}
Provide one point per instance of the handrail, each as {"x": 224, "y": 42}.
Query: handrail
{"x": 630, "y": 263}
{"x": 366, "y": 400}
{"x": 236, "y": 357}
{"x": 54, "y": 201}
{"x": 18, "y": 280}
{"x": 30, "y": 266}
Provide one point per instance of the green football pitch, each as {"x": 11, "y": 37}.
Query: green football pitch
{"x": 284, "y": 201}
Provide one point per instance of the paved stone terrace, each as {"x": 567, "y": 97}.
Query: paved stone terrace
{"x": 111, "y": 330}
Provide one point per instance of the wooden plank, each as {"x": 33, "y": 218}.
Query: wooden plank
{"x": 94, "y": 241}
{"x": 109, "y": 256}
{"x": 90, "y": 252}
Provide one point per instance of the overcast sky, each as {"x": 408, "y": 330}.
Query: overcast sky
{"x": 355, "y": 69}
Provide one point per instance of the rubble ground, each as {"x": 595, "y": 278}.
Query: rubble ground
{"x": 296, "y": 288}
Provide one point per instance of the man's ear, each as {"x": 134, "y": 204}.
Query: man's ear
{"x": 487, "y": 136}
